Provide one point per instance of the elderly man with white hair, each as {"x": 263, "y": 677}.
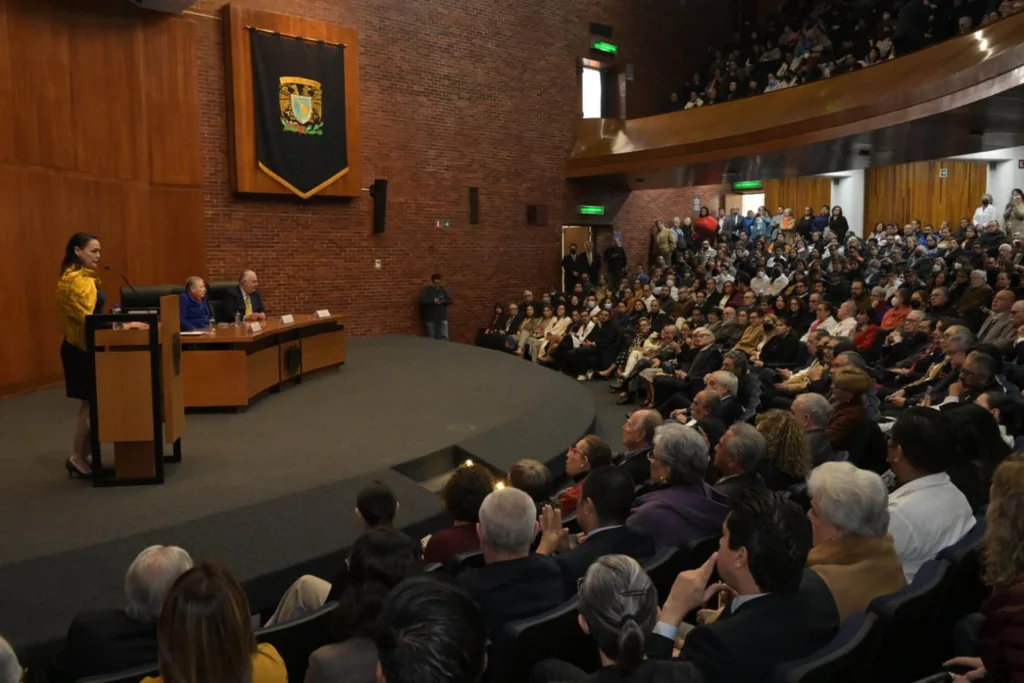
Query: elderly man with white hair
{"x": 109, "y": 640}
{"x": 682, "y": 507}
{"x": 813, "y": 412}
{"x": 514, "y": 584}
{"x": 847, "y": 320}
{"x": 10, "y": 668}
{"x": 977, "y": 296}
{"x": 737, "y": 457}
{"x": 853, "y": 551}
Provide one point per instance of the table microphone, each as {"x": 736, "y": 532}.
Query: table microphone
{"x": 115, "y": 270}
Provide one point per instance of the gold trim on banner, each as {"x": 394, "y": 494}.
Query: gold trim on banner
{"x": 288, "y": 35}
{"x": 304, "y": 195}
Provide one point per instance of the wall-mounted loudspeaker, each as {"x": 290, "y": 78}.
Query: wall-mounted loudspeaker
{"x": 474, "y": 205}
{"x": 172, "y": 6}
{"x": 379, "y": 192}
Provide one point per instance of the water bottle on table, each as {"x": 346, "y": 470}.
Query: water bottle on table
{"x": 117, "y": 311}
{"x": 238, "y": 318}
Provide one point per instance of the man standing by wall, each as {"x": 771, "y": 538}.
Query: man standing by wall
{"x": 434, "y": 302}
{"x": 571, "y": 268}
{"x": 615, "y": 259}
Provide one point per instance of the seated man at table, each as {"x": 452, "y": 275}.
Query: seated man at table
{"x": 193, "y": 305}
{"x": 244, "y": 299}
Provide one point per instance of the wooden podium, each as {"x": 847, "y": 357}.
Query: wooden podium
{"x": 138, "y": 404}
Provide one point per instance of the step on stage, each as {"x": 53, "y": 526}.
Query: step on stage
{"x": 270, "y": 491}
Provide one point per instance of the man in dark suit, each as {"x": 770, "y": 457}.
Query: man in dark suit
{"x": 638, "y": 436}
{"x": 106, "y": 641}
{"x": 737, "y": 456}
{"x": 591, "y": 262}
{"x": 782, "y": 612}
{"x": 813, "y": 411}
{"x": 605, "y": 502}
{"x": 514, "y": 584}
{"x": 572, "y": 268}
{"x": 244, "y": 300}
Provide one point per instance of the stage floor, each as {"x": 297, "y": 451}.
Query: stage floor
{"x": 270, "y": 490}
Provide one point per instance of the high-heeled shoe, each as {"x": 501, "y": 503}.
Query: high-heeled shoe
{"x": 74, "y": 472}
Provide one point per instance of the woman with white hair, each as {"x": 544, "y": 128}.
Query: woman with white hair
{"x": 681, "y": 507}
{"x": 853, "y": 551}
{"x": 193, "y": 305}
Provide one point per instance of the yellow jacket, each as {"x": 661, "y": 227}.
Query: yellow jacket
{"x": 752, "y": 336}
{"x": 76, "y": 298}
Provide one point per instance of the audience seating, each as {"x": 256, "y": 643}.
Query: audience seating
{"x": 127, "y": 676}
{"x": 296, "y": 640}
{"x": 554, "y": 635}
{"x": 663, "y": 569}
{"x": 841, "y": 661}
{"x": 965, "y": 591}
{"x": 697, "y": 552}
{"x": 460, "y": 562}
{"x": 908, "y": 630}
{"x": 869, "y": 450}
{"x": 147, "y": 296}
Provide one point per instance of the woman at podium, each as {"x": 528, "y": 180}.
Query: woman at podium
{"x": 79, "y": 295}
{"x": 194, "y": 307}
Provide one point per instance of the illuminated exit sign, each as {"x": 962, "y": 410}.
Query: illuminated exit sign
{"x": 591, "y": 210}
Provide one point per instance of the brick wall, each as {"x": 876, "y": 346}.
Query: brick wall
{"x": 455, "y": 93}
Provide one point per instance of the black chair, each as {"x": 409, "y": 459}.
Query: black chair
{"x": 663, "y": 569}
{"x": 433, "y": 567}
{"x": 841, "y": 661}
{"x": 215, "y": 293}
{"x": 908, "y": 630}
{"x": 572, "y": 524}
{"x": 296, "y": 640}
{"x": 697, "y": 552}
{"x": 145, "y": 297}
{"x": 460, "y": 562}
{"x": 553, "y": 635}
{"x": 965, "y": 590}
{"x": 127, "y": 676}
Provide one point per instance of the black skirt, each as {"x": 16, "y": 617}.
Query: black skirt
{"x": 79, "y": 380}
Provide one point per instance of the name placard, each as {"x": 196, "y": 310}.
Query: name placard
{"x": 287, "y": 319}
{"x": 322, "y": 313}
{"x": 255, "y": 328}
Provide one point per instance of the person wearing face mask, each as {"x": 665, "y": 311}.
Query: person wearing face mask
{"x": 572, "y": 267}
{"x": 1013, "y": 214}
{"x": 987, "y": 212}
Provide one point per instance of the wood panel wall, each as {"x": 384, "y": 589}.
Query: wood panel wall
{"x": 796, "y": 193}
{"x": 99, "y": 132}
{"x": 903, "y": 192}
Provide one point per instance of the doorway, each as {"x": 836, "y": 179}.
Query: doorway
{"x": 575, "y": 234}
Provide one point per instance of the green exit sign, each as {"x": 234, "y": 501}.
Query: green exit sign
{"x": 748, "y": 185}
{"x": 591, "y": 210}
{"x": 602, "y": 46}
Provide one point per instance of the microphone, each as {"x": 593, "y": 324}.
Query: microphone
{"x": 123, "y": 277}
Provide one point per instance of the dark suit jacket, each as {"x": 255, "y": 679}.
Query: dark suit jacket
{"x": 780, "y": 350}
{"x": 515, "y": 589}
{"x": 733, "y": 486}
{"x": 707, "y": 360}
{"x": 715, "y": 429}
{"x": 102, "y": 642}
{"x": 618, "y": 541}
{"x": 636, "y": 463}
{"x": 743, "y": 646}
{"x": 234, "y": 301}
{"x": 593, "y": 269}
{"x": 732, "y": 409}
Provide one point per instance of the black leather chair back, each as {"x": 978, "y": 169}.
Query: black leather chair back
{"x": 908, "y": 628}
{"x": 146, "y": 296}
{"x": 215, "y": 294}
{"x": 460, "y": 562}
{"x": 554, "y": 635}
{"x": 841, "y": 661}
{"x": 697, "y": 552}
{"x": 965, "y": 591}
{"x": 873, "y": 451}
{"x": 296, "y": 640}
{"x": 127, "y": 676}
{"x": 663, "y": 569}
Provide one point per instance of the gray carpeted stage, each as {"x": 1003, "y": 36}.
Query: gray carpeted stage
{"x": 269, "y": 491}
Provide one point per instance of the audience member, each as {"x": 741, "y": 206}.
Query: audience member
{"x": 205, "y": 633}
{"x": 682, "y": 507}
{"x": 927, "y": 512}
{"x": 737, "y": 458}
{"x": 588, "y": 454}
{"x": 379, "y": 560}
{"x": 10, "y": 668}
{"x": 638, "y": 437}
{"x": 533, "y": 477}
{"x": 849, "y": 385}
{"x": 812, "y": 412}
{"x": 431, "y": 632}
{"x": 376, "y": 505}
{"x": 608, "y": 495}
{"x": 853, "y": 550}
{"x": 463, "y": 494}
{"x": 106, "y": 641}
{"x": 513, "y": 584}
{"x": 787, "y": 458}
{"x": 781, "y": 611}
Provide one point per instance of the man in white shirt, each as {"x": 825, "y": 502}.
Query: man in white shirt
{"x": 824, "y": 321}
{"x": 986, "y": 213}
{"x": 847, "y": 320}
{"x": 927, "y": 512}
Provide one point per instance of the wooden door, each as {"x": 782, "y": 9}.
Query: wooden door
{"x": 575, "y": 234}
